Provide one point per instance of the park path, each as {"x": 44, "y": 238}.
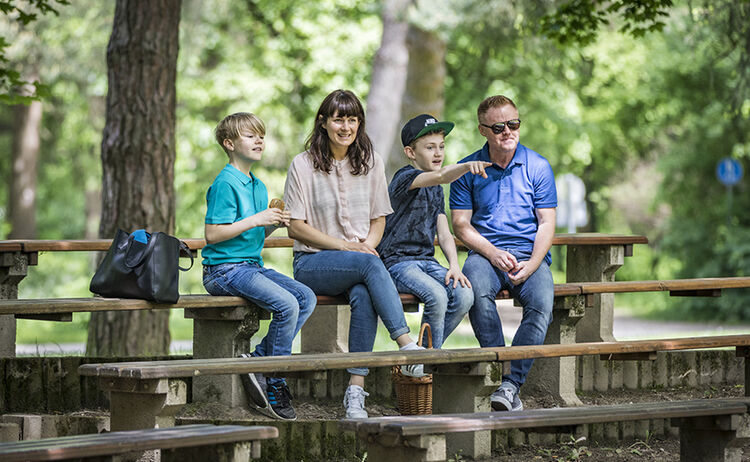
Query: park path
{"x": 628, "y": 327}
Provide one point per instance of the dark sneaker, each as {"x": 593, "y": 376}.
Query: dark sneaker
{"x": 280, "y": 399}
{"x": 255, "y": 388}
{"x": 505, "y": 398}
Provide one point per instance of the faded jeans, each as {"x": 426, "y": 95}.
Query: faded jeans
{"x": 370, "y": 289}
{"x": 535, "y": 295}
{"x": 444, "y": 306}
{"x": 290, "y": 302}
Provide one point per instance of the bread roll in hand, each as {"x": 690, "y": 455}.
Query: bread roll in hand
{"x": 276, "y": 204}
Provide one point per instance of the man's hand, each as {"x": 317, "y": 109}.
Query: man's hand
{"x": 458, "y": 278}
{"x": 522, "y": 272}
{"x": 504, "y": 261}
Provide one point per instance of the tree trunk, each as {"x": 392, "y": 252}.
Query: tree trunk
{"x": 425, "y": 83}
{"x": 388, "y": 81}
{"x": 27, "y": 121}
{"x": 138, "y": 154}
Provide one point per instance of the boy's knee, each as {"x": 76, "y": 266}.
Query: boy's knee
{"x": 465, "y": 299}
{"x": 309, "y": 299}
{"x": 437, "y": 299}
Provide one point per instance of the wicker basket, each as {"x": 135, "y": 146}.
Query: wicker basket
{"x": 414, "y": 394}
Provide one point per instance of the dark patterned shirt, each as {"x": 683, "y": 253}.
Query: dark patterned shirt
{"x": 410, "y": 230}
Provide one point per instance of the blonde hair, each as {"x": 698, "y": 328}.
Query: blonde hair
{"x": 493, "y": 101}
{"x": 231, "y": 126}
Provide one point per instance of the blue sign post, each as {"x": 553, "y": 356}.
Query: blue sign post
{"x": 729, "y": 172}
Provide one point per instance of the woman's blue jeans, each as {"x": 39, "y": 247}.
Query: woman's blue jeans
{"x": 290, "y": 302}
{"x": 444, "y": 306}
{"x": 370, "y": 289}
{"x": 535, "y": 295}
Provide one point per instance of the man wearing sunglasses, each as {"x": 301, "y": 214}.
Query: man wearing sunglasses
{"x": 507, "y": 220}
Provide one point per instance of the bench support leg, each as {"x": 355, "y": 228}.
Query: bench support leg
{"x": 13, "y": 268}
{"x": 138, "y": 404}
{"x": 458, "y": 388}
{"x": 222, "y": 333}
{"x": 713, "y": 439}
{"x": 230, "y": 452}
{"x": 326, "y": 330}
{"x": 744, "y": 352}
{"x": 556, "y": 377}
{"x": 596, "y": 263}
{"x": 392, "y": 448}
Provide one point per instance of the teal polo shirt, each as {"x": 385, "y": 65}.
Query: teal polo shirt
{"x": 230, "y": 198}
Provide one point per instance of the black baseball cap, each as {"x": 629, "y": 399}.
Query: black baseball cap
{"x": 422, "y": 125}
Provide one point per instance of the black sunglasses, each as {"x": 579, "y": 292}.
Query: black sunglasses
{"x": 499, "y": 127}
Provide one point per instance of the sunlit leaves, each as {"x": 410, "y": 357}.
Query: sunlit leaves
{"x": 579, "y": 21}
{"x": 14, "y": 89}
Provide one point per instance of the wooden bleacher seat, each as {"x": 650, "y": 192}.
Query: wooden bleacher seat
{"x": 707, "y": 427}
{"x": 460, "y": 375}
{"x": 222, "y": 443}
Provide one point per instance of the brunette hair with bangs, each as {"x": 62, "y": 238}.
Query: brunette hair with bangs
{"x": 340, "y": 103}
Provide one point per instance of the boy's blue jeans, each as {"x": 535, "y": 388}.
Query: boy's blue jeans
{"x": 444, "y": 306}
{"x": 370, "y": 289}
{"x": 535, "y": 295}
{"x": 290, "y": 302}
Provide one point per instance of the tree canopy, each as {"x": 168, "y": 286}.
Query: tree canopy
{"x": 640, "y": 99}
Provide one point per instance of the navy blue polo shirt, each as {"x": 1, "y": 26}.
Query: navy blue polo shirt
{"x": 503, "y": 205}
{"x": 410, "y": 230}
{"x": 230, "y": 198}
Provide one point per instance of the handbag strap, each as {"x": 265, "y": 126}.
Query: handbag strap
{"x": 148, "y": 249}
{"x": 425, "y": 327}
{"x": 186, "y": 250}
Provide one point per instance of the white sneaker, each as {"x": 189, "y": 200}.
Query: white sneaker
{"x": 412, "y": 370}
{"x": 354, "y": 402}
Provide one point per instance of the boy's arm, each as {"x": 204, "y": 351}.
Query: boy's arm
{"x": 448, "y": 245}
{"x": 223, "y": 232}
{"x": 449, "y": 174}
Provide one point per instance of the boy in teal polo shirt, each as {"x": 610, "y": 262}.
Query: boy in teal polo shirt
{"x": 237, "y": 222}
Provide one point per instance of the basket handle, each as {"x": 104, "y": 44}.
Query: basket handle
{"x": 426, "y": 327}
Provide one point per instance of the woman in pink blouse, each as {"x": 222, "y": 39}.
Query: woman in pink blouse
{"x": 337, "y": 194}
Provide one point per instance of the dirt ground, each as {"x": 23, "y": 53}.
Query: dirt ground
{"x": 655, "y": 449}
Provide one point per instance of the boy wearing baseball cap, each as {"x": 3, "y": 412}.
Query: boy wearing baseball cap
{"x": 407, "y": 248}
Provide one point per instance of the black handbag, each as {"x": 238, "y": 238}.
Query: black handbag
{"x": 141, "y": 266}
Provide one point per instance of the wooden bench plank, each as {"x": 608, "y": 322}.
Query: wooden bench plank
{"x": 543, "y": 418}
{"x": 79, "y": 245}
{"x": 611, "y": 348}
{"x": 281, "y": 364}
{"x": 66, "y": 245}
{"x": 102, "y": 444}
{"x": 327, "y": 361}
{"x": 11, "y": 246}
{"x": 91, "y": 304}
{"x": 673, "y": 285}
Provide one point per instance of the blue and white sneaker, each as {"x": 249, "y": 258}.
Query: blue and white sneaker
{"x": 273, "y": 400}
{"x": 505, "y": 398}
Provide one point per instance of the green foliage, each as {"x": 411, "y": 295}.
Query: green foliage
{"x": 579, "y": 21}
{"x": 13, "y": 88}
{"x": 643, "y": 120}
